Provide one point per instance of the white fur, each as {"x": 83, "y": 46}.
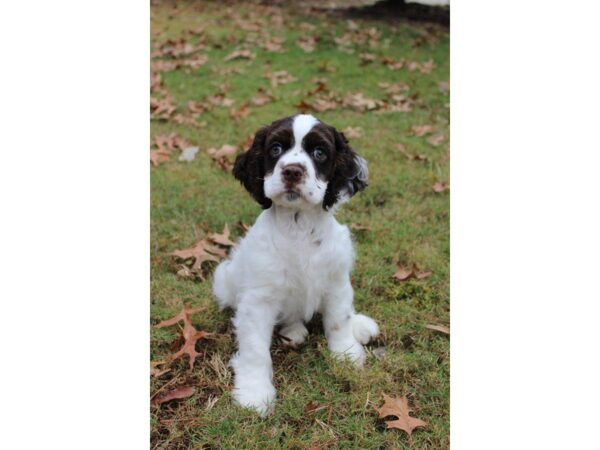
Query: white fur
{"x": 295, "y": 261}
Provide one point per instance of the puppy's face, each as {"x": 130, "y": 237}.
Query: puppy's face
{"x": 300, "y": 162}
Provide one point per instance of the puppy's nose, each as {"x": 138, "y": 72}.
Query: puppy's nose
{"x": 293, "y": 173}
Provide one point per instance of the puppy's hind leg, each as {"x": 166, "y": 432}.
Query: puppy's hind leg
{"x": 296, "y": 333}
{"x": 222, "y": 287}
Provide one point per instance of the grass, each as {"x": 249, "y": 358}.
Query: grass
{"x": 408, "y": 221}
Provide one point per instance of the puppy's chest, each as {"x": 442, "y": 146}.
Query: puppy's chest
{"x": 306, "y": 266}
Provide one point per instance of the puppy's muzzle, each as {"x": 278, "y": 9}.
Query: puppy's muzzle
{"x": 293, "y": 174}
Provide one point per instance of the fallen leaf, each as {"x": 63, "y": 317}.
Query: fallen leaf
{"x": 399, "y": 407}
{"x": 166, "y": 144}
{"x": 444, "y": 86}
{"x": 392, "y": 64}
{"x": 279, "y": 77}
{"x": 189, "y": 333}
{"x": 441, "y": 186}
{"x": 262, "y": 97}
{"x": 176, "y": 394}
{"x": 222, "y": 238}
{"x": 188, "y": 154}
{"x": 440, "y": 328}
{"x": 225, "y": 150}
{"x": 240, "y": 54}
{"x": 359, "y": 102}
{"x": 353, "y": 132}
{"x": 243, "y": 227}
{"x": 421, "y": 130}
{"x": 367, "y": 58}
{"x": 273, "y": 45}
{"x": 155, "y": 371}
{"x": 418, "y": 157}
{"x": 161, "y": 108}
{"x": 201, "y": 252}
{"x": 436, "y": 140}
{"x": 359, "y": 227}
{"x": 379, "y": 352}
{"x": 307, "y": 43}
{"x": 241, "y": 112}
{"x": 394, "y": 88}
{"x": 403, "y": 274}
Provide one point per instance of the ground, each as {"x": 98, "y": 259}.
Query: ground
{"x": 407, "y": 220}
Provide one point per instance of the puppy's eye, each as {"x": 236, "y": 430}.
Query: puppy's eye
{"x": 276, "y": 150}
{"x": 319, "y": 154}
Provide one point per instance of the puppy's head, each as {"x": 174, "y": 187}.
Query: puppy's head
{"x": 300, "y": 162}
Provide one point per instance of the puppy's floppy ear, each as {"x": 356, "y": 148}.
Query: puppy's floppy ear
{"x": 249, "y": 168}
{"x": 350, "y": 173}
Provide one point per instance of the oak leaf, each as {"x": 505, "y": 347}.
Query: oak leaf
{"x": 403, "y": 274}
{"x": 441, "y": 186}
{"x": 189, "y": 333}
{"x": 440, "y": 328}
{"x": 222, "y": 238}
{"x": 417, "y": 157}
{"x": 240, "y": 54}
{"x": 175, "y": 394}
{"x": 399, "y": 407}
{"x": 353, "y": 132}
{"x": 421, "y": 130}
{"x": 202, "y": 251}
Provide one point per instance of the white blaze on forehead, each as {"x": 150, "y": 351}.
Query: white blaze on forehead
{"x": 303, "y": 123}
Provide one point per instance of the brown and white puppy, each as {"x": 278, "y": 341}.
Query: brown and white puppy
{"x": 296, "y": 259}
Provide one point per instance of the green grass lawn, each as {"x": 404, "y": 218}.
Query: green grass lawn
{"x": 408, "y": 223}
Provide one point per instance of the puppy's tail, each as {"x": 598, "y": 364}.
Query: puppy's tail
{"x": 364, "y": 328}
{"x": 221, "y": 286}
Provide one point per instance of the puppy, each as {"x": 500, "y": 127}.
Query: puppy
{"x": 296, "y": 259}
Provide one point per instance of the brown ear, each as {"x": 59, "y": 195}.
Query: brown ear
{"x": 249, "y": 168}
{"x": 350, "y": 173}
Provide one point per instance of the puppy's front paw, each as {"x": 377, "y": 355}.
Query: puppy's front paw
{"x": 257, "y": 396}
{"x": 351, "y": 350}
{"x": 364, "y": 328}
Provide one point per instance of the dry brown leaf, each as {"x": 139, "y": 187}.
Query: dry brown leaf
{"x": 444, "y": 86}
{"x": 156, "y": 371}
{"x": 359, "y": 102}
{"x": 224, "y": 151}
{"x": 166, "y": 144}
{"x": 436, "y": 140}
{"x": 161, "y": 108}
{"x": 190, "y": 334}
{"x": 202, "y": 251}
{"x": 241, "y": 112}
{"x": 273, "y": 45}
{"x": 262, "y": 97}
{"x": 424, "y": 67}
{"x": 243, "y": 227}
{"x": 279, "y": 77}
{"x": 219, "y": 99}
{"x": 307, "y": 43}
{"x": 240, "y": 54}
{"x": 394, "y": 88}
{"x": 392, "y": 64}
{"x": 222, "y": 238}
{"x": 360, "y": 227}
{"x": 418, "y": 157}
{"x": 440, "y": 328}
{"x": 353, "y": 132}
{"x": 399, "y": 407}
{"x": 367, "y": 58}
{"x": 441, "y": 186}
{"x": 404, "y": 274}
{"x": 421, "y": 130}
{"x": 176, "y": 394}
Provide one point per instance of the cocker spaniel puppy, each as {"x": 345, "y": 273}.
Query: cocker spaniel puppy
{"x": 296, "y": 259}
